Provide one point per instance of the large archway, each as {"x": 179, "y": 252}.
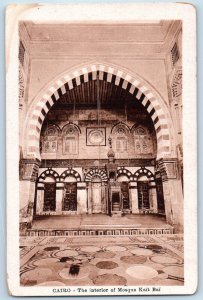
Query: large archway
{"x": 140, "y": 90}
{"x": 137, "y": 93}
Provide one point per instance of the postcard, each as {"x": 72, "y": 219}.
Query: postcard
{"x": 101, "y": 149}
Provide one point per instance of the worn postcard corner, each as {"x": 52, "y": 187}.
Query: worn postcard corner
{"x": 101, "y": 149}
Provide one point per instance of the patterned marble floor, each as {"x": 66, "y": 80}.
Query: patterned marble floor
{"x": 106, "y": 260}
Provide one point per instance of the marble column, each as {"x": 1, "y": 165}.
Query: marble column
{"x": 59, "y": 197}
{"x": 81, "y": 198}
{"x": 172, "y": 190}
{"x": 104, "y": 198}
{"x": 40, "y": 198}
{"x": 96, "y": 197}
{"x": 89, "y": 198}
{"x": 28, "y": 172}
{"x": 153, "y": 197}
{"x": 133, "y": 197}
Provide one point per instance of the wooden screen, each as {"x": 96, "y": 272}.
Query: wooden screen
{"x": 143, "y": 194}
{"x": 70, "y": 196}
{"x": 49, "y": 196}
{"x": 125, "y": 195}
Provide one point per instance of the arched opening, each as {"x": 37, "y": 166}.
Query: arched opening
{"x": 101, "y": 123}
{"x": 92, "y": 76}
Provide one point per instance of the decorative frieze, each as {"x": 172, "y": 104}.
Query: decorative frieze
{"x": 88, "y": 163}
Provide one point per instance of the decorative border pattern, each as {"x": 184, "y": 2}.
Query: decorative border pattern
{"x": 109, "y": 74}
{"x": 93, "y": 232}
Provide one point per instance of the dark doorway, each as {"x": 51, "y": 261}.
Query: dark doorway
{"x": 115, "y": 201}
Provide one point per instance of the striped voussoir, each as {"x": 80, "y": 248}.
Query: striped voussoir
{"x": 122, "y": 171}
{"x": 96, "y": 173}
{"x": 70, "y": 172}
{"x": 109, "y": 74}
{"x": 49, "y": 172}
{"x": 144, "y": 172}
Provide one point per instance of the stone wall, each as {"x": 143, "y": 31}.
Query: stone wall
{"x": 89, "y": 129}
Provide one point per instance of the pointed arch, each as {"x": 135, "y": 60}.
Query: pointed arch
{"x": 122, "y": 124}
{"x": 151, "y": 101}
{"x": 73, "y": 125}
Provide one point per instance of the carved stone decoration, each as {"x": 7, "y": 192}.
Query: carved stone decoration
{"x": 49, "y": 140}
{"x": 161, "y": 169}
{"x": 96, "y": 172}
{"x": 70, "y": 135}
{"x": 167, "y": 168}
{"x": 96, "y": 136}
{"x": 142, "y": 140}
{"x": 21, "y": 82}
{"x": 28, "y": 169}
{"x": 87, "y": 163}
{"x": 175, "y": 54}
{"x": 176, "y": 84}
{"x": 121, "y": 134}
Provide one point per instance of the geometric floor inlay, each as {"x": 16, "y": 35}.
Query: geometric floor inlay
{"x": 164, "y": 260}
{"x": 105, "y": 255}
{"x": 142, "y": 272}
{"x": 109, "y": 279}
{"x": 51, "y": 283}
{"x": 90, "y": 249}
{"x": 134, "y": 259}
{"x": 140, "y": 251}
{"x": 66, "y": 253}
{"x": 116, "y": 248}
{"x": 65, "y": 273}
{"x": 106, "y": 265}
{"x": 101, "y": 260}
{"x": 45, "y": 262}
{"x": 174, "y": 271}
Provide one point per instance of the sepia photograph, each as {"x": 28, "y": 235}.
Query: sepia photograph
{"x": 100, "y": 142}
